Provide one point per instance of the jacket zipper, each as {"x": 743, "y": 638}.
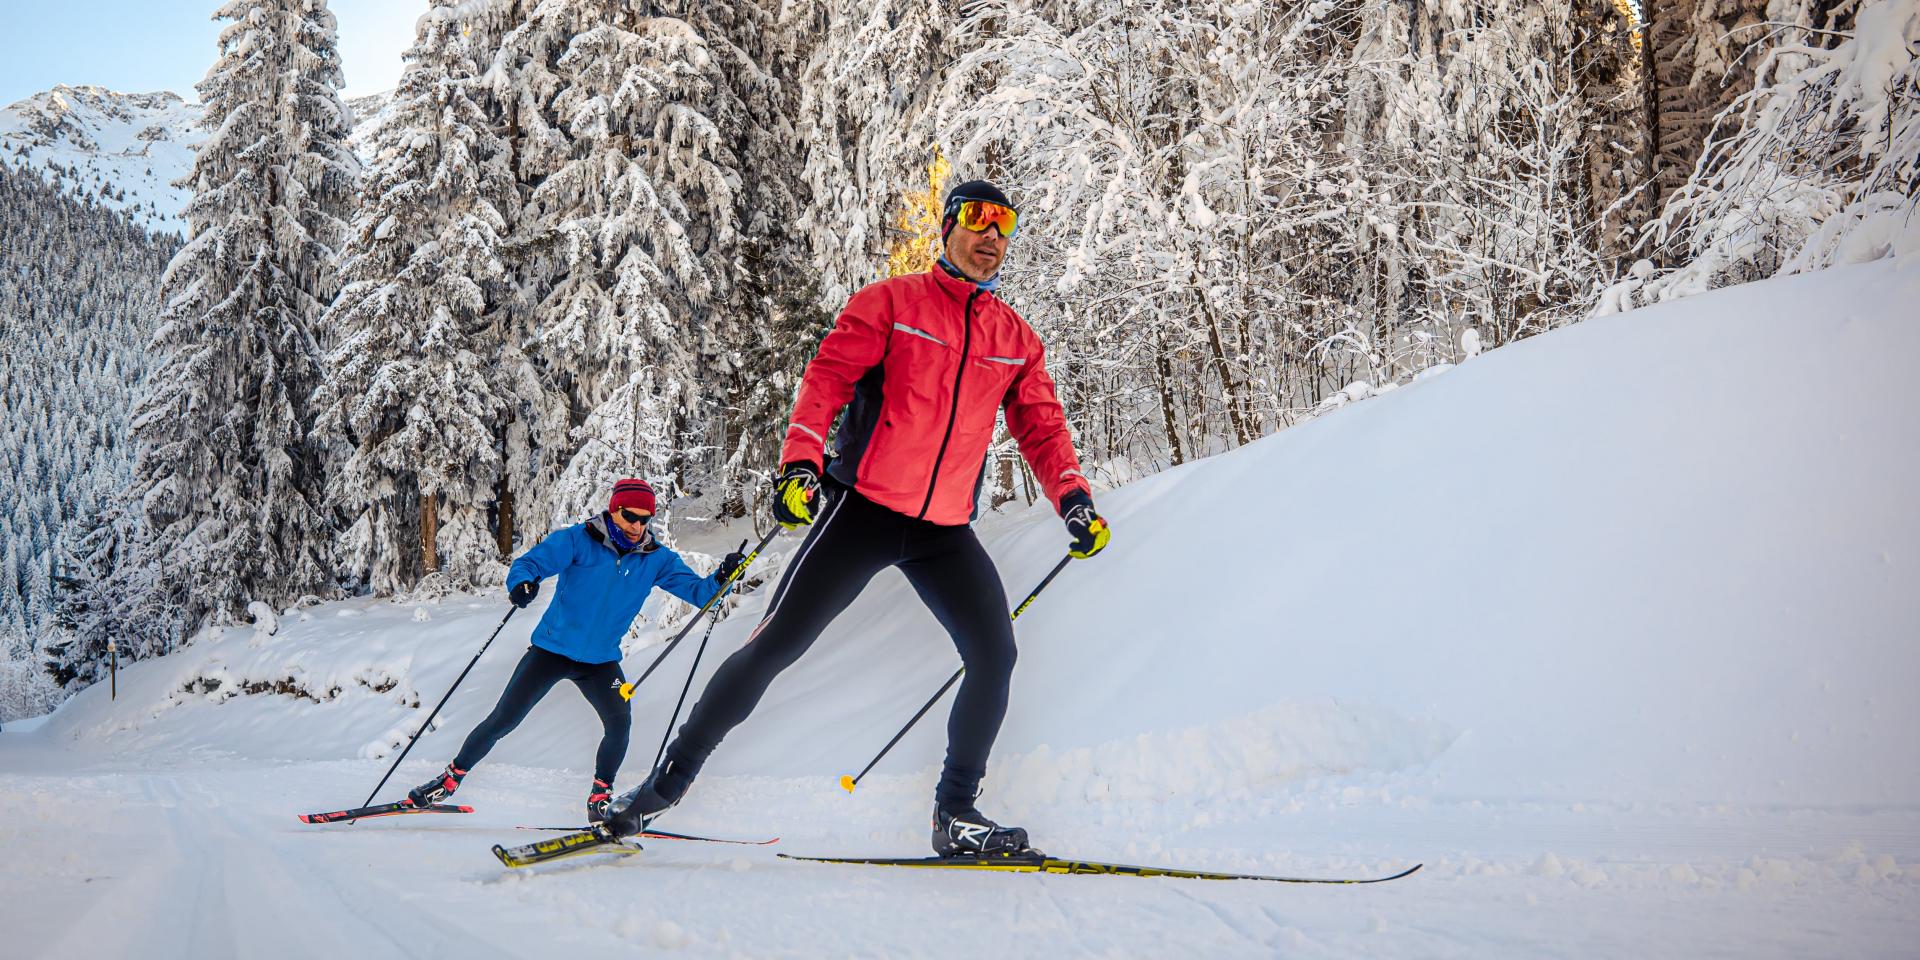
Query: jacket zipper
{"x": 953, "y": 411}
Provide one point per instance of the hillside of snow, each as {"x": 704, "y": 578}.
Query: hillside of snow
{"x": 124, "y": 150}
{"x": 1614, "y": 629}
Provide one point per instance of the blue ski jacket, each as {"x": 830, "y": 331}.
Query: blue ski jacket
{"x": 601, "y": 588}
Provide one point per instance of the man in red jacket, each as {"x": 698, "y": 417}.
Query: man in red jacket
{"x": 921, "y": 364}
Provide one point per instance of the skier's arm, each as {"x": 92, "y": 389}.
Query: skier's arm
{"x": 856, "y": 344}
{"x": 1039, "y": 425}
{"x": 552, "y": 554}
{"x": 680, "y": 580}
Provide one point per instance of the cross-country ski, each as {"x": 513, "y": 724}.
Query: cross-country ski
{"x": 401, "y": 808}
{"x": 1046, "y": 864}
{"x": 1001, "y": 478}
{"x": 664, "y": 835}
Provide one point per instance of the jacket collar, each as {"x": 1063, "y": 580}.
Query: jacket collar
{"x": 959, "y": 288}
{"x": 990, "y": 284}
{"x": 598, "y": 529}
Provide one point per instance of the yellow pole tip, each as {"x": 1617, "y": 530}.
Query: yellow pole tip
{"x": 626, "y": 691}
{"x": 846, "y": 782}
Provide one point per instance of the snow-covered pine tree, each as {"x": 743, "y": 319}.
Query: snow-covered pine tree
{"x": 1608, "y": 69}
{"x": 871, "y": 69}
{"x": 627, "y": 225}
{"x": 231, "y": 485}
{"x": 769, "y": 323}
{"x": 418, "y": 397}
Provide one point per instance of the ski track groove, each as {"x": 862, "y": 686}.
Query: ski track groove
{"x": 267, "y": 893}
{"x": 1224, "y": 917}
{"x": 1066, "y": 919}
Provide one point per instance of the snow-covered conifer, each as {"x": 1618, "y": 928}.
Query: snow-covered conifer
{"x": 77, "y": 306}
{"x": 628, "y": 219}
{"x": 230, "y": 482}
{"x": 417, "y": 400}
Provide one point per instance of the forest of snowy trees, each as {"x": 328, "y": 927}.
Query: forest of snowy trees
{"x": 592, "y": 238}
{"x": 77, "y": 301}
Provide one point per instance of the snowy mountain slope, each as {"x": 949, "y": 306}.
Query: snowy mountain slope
{"x": 126, "y": 149}
{"x": 1613, "y": 628}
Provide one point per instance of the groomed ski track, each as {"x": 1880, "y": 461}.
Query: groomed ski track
{"x": 1612, "y": 629}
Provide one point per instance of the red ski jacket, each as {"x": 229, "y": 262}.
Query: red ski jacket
{"x": 922, "y": 363}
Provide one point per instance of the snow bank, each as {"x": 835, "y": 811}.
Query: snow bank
{"x": 1660, "y": 557}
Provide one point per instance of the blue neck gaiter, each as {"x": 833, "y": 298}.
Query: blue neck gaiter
{"x": 989, "y": 285}
{"x": 619, "y": 537}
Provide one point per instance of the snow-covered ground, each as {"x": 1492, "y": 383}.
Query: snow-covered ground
{"x": 1613, "y": 629}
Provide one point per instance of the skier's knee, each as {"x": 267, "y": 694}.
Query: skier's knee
{"x": 991, "y": 659}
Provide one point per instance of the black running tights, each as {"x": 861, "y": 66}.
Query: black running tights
{"x": 538, "y": 671}
{"x": 853, "y": 540}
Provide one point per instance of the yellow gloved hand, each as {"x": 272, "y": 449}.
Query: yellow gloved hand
{"x": 794, "y": 495}
{"x": 1090, "y": 533}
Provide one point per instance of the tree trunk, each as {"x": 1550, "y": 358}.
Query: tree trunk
{"x": 503, "y": 506}
{"x": 1232, "y": 397}
{"x": 1172, "y": 419}
{"x": 429, "y": 532}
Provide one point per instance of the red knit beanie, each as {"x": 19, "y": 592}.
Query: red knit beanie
{"x": 631, "y": 492}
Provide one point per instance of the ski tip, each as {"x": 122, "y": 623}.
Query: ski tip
{"x": 846, "y": 782}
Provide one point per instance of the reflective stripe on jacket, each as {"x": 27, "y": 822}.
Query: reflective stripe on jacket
{"x": 922, "y": 363}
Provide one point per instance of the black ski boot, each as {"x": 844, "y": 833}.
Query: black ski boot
{"x": 963, "y": 832}
{"x": 663, "y": 788}
{"x": 598, "y": 800}
{"x": 437, "y": 789}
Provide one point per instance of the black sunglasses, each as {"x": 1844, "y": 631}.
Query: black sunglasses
{"x": 631, "y": 517}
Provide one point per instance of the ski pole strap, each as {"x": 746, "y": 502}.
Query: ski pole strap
{"x": 627, "y": 689}
{"x": 848, "y": 782}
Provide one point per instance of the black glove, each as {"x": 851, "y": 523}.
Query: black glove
{"x": 730, "y": 565}
{"x": 524, "y": 592}
{"x": 795, "y": 494}
{"x": 1090, "y": 533}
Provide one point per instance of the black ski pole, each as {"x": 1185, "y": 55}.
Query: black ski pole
{"x": 437, "y": 706}
{"x": 667, "y": 734}
{"x": 847, "y": 782}
{"x": 626, "y": 689}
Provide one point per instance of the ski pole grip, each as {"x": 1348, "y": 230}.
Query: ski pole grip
{"x": 627, "y": 689}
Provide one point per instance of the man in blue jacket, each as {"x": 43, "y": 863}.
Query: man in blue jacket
{"x": 607, "y": 568}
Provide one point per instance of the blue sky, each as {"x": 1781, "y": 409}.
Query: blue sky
{"x": 139, "y": 46}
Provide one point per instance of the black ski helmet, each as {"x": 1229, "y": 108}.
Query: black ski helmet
{"x": 971, "y": 190}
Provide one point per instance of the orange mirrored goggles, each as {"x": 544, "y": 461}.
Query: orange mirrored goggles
{"x": 978, "y": 215}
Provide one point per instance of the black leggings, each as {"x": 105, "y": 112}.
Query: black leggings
{"x": 854, "y": 539}
{"x": 538, "y": 671}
